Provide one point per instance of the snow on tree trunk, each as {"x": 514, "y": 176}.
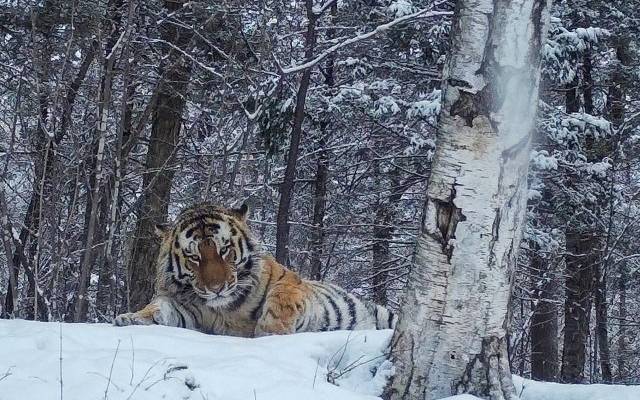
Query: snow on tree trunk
{"x": 452, "y": 333}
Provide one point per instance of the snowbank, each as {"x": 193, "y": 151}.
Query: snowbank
{"x": 532, "y": 390}
{"x": 156, "y": 362}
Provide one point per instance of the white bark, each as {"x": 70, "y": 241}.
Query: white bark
{"x": 451, "y": 337}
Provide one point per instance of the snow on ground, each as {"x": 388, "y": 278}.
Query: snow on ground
{"x": 156, "y": 362}
{"x": 532, "y": 390}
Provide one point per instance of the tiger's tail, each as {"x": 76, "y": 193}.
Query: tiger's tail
{"x": 385, "y": 318}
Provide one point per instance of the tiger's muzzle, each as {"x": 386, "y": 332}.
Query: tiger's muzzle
{"x": 215, "y": 275}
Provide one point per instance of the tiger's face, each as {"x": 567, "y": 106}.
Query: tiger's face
{"x": 211, "y": 251}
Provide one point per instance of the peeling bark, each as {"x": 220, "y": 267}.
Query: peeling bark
{"x": 456, "y": 302}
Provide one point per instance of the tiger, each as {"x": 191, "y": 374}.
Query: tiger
{"x": 212, "y": 277}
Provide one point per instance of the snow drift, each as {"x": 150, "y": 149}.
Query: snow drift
{"x": 98, "y": 361}
{"x": 157, "y": 362}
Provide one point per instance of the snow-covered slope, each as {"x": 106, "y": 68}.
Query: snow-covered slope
{"x": 156, "y": 362}
{"x": 532, "y": 390}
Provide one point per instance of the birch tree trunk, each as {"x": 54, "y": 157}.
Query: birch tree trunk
{"x": 452, "y": 336}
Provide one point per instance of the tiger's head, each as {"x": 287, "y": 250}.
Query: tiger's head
{"x": 211, "y": 252}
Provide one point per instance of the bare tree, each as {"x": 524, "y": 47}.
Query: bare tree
{"x": 288, "y": 183}
{"x": 544, "y": 322}
{"x": 95, "y": 199}
{"x": 165, "y": 133}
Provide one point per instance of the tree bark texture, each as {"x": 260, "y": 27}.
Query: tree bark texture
{"x": 159, "y": 168}
{"x": 577, "y": 309}
{"x": 621, "y": 375}
{"x": 288, "y": 183}
{"x": 602, "y": 324}
{"x": 319, "y": 207}
{"x": 451, "y": 337}
{"x": 620, "y": 85}
{"x": 544, "y": 322}
{"x": 383, "y": 229}
{"x": 322, "y": 173}
{"x": 7, "y": 242}
{"x": 382, "y": 234}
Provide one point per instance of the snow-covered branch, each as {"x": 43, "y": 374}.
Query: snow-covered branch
{"x": 381, "y": 28}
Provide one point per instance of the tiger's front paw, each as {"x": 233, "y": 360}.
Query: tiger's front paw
{"x": 133, "y": 319}
{"x": 269, "y": 325}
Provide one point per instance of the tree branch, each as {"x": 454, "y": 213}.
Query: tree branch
{"x": 364, "y": 36}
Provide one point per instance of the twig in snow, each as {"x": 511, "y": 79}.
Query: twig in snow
{"x": 144, "y": 378}
{"x": 333, "y": 375}
{"x": 355, "y": 364}
{"x": 60, "y": 360}
{"x": 342, "y": 351}
{"x": 315, "y": 374}
{"x": 106, "y": 378}
{"x": 133, "y": 360}
{"x": 521, "y": 390}
{"x": 188, "y": 382}
{"x": 111, "y": 370}
{"x": 7, "y": 373}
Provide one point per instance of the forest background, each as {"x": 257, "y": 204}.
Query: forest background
{"x": 114, "y": 115}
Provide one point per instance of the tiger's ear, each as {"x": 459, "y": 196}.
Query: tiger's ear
{"x": 242, "y": 212}
{"x": 162, "y": 230}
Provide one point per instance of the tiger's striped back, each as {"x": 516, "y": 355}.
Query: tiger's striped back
{"x": 333, "y": 308}
{"x": 324, "y": 306}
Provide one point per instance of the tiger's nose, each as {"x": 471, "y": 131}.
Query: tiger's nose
{"x": 217, "y": 288}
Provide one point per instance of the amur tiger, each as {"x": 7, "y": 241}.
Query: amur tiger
{"x": 211, "y": 277}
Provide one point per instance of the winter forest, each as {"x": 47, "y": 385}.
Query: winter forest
{"x": 385, "y": 146}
